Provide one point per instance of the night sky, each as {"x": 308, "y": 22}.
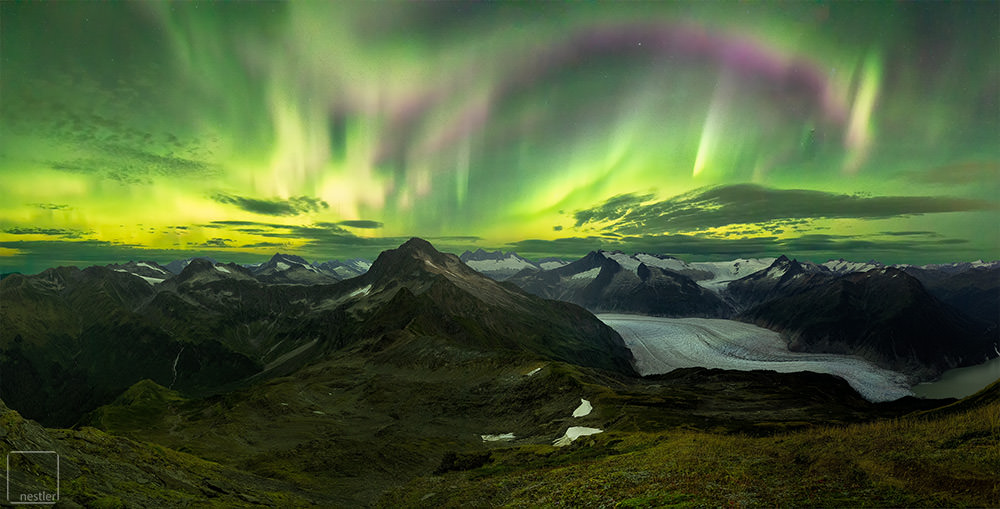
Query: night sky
{"x": 705, "y": 130}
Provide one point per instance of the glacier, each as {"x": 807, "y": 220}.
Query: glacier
{"x": 660, "y": 345}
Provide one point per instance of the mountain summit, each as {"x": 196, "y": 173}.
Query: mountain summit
{"x": 427, "y": 292}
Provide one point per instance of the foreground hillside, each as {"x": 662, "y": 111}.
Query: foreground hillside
{"x": 940, "y": 459}
{"x": 97, "y": 469}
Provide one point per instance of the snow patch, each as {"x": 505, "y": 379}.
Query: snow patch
{"x": 282, "y": 266}
{"x": 510, "y": 263}
{"x": 845, "y": 267}
{"x": 573, "y": 433}
{"x": 148, "y": 266}
{"x": 152, "y": 280}
{"x": 587, "y": 274}
{"x": 724, "y": 272}
{"x": 120, "y": 270}
{"x": 776, "y": 273}
{"x": 220, "y": 268}
{"x": 361, "y": 291}
{"x": 173, "y": 368}
{"x": 584, "y": 408}
{"x": 671, "y": 264}
{"x": 533, "y": 372}
{"x": 503, "y": 437}
{"x": 551, "y": 265}
{"x": 627, "y": 262}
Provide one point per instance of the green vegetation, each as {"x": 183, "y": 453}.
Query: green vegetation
{"x": 949, "y": 460}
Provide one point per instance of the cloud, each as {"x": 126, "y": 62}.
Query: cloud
{"x": 281, "y": 231}
{"x": 169, "y": 165}
{"x": 453, "y": 238}
{"x": 131, "y": 166}
{"x": 52, "y": 232}
{"x": 819, "y": 247}
{"x": 220, "y": 224}
{"x": 557, "y": 228}
{"x": 51, "y": 206}
{"x": 215, "y": 242}
{"x": 615, "y": 207}
{"x": 275, "y": 206}
{"x": 360, "y": 223}
{"x": 264, "y": 244}
{"x": 750, "y": 203}
{"x": 922, "y": 233}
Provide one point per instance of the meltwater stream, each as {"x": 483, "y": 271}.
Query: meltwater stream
{"x": 660, "y": 345}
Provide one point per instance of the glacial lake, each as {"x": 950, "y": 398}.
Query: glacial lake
{"x": 960, "y": 382}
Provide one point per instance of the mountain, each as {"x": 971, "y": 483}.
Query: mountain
{"x": 433, "y": 293}
{"x": 716, "y": 275}
{"x": 884, "y": 315}
{"x": 842, "y": 266}
{"x": 615, "y": 282}
{"x": 782, "y": 278}
{"x": 497, "y": 264}
{"x": 419, "y": 367}
{"x": 957, "y": 267}
{"x": 290, "y": 269}
{"x": 550, "y": 263}
{"x": 344, "y": 270}
{"x": 972, "y": 287}
{"x": 150, "y": 272}
{"x": 177, "y": 266}
{"x": 73, "y": 339}
{"x": 559, "y": 282}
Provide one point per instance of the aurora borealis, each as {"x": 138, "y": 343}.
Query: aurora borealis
{"x": 704, "y": 130}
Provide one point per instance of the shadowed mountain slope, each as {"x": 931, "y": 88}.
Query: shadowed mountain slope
{"x": 884, "y": 315}
{"x": 73, "y": 339}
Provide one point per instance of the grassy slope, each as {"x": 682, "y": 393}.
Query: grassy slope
{"x": 102, "y": 470}
{"x": 350, "y": 429}
{"x": 951, "y": 460}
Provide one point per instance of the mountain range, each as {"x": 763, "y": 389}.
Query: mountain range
{"x": 883, "y": 314}
{"x": 72, "y": 339}
{"x": 276, "y": 384}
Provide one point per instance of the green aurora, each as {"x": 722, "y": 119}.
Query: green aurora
{"x": 705, "y": 130}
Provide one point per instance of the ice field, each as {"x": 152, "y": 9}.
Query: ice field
{"x": 661, "y": 345}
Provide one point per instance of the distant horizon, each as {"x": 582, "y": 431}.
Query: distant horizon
{"x": 243, "y": 258}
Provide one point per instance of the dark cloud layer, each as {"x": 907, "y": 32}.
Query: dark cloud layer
{"x": 818, "y": 247}
{"x": 275, "y": 206}
{"x": 51, "y": 232}
{"x": 361, "y": 223}
{"x": 216, "y": 242}
{"x": 51, "y": 206}
{"x": 39, "y": 255}
{"x": 750, "y": 203}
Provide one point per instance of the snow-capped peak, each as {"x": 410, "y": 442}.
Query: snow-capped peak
{"x": 842, "y": 266}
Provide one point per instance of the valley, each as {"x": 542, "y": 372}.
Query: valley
{"x": 370, "y": 390}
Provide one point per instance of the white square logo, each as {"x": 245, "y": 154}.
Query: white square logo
{"x": 32, "y": 477}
